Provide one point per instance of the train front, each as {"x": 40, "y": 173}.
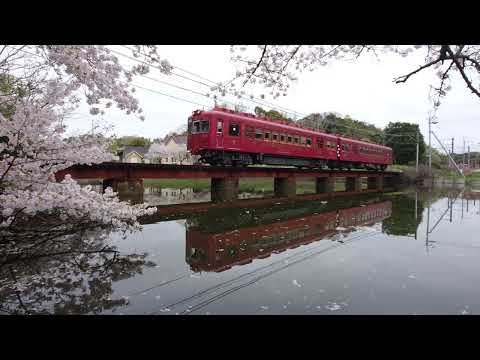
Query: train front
{"x": 198, "y": 132}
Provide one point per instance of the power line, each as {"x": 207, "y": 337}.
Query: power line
{"x": 182, "y": 88}
{"x": 252, "y": 99}
{"x": 171, "y": 96}
{"x": 262, "y": 101}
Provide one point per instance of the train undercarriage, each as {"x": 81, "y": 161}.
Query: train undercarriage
{"x": 238, "y": 159}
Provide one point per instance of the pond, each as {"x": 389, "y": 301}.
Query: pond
{"x": 415, "y": 252}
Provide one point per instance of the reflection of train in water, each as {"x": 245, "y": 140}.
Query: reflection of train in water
{"x": 221, "y": 251}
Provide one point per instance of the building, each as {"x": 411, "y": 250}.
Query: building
{"x": 173, "y": 150}
{"x": 132, "y": 154}
{"x": 176, "y": 143}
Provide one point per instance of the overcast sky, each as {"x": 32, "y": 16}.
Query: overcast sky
{"x": 362, "y": 89}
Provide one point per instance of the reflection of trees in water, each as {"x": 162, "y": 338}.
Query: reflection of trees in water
{"x": 402, "y": 221}
{"x": 71, "y": 273}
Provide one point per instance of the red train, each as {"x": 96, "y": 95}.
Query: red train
{"x": 224, "y": 137}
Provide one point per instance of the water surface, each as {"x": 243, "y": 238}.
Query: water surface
{"x": 411, "y": 253}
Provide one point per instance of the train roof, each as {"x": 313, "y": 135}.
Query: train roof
{"x": 363, "y": 142}
{"x": 267, "y": 121}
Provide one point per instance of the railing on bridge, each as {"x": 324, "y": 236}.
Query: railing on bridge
{"x": 123, "y": 177}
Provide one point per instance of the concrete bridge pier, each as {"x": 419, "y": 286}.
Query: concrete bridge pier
{"x": 224, "y": 189}
{"x": 127, "y": 189}
{"x": 325, "y": 185}
{"x": 285, "y": 186}
{"x": 353, "y": 184}
{"x": 375, "y": 183}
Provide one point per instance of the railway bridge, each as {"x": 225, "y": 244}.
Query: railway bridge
{"x": 128, "y": 177}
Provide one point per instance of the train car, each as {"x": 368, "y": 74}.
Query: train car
{"x": 225, "y": 137}
{"x": 361, "y": 154}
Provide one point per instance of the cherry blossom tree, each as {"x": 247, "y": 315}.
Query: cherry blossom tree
{"x": 275, "y": 67}
{"x": 39, "y": 87}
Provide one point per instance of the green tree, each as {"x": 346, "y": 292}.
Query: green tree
{"x": 273, "y": 114}
{"x": 333, "y": 123}
{"x": 10, "y": 86}
{"x": 129, "y": 140}
{"x": 401, "y": 137}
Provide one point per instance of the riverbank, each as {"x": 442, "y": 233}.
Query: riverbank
{"x": 438, "y": 175}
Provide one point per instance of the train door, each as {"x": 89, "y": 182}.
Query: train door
{"x": 219, "y": 133}
{"x": 232, "y": 135}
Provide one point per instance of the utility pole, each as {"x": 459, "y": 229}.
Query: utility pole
{"x": 429, "y": 145}
{"x": 416, "y": 162}
{"x": 453, "y": 140}
{"x": 468, "y": 156}
{"x": 463, "y": 152}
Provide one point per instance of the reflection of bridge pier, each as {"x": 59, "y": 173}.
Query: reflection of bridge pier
{"x": 125, "y": 178}
{"x": 128, "y": 189}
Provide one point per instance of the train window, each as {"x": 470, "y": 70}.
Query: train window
{"x": 249, "y": 132}
{"x": 267, "y": 136}
{"x": 309, "y": 142}
{"x": 219, "y": 126}
{"x": 196, "y": 127}
{"x": 295, "y": 139}
{"x": 234, "y": 130}
{"x": 258, "y": 134}
{"x": 320, "y": 142}
{"x": 274, "y": 137}
{"x": 204, "y": 126}
{"x": 289, "y": 139}
{"x": 282, "y": 137}
{"x": 302, "y": 140}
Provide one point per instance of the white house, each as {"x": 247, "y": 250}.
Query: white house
{"x": 132, "y": 154}
{"x": 172, "y": 151}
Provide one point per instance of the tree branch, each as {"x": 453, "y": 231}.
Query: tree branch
{"x": 291, "y": 57}
{"x": 258, "y": 64}
{"x": 404, "y": 78}
{"x": 462, "y": 72}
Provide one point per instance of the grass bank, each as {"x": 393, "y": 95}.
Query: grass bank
{"x": 245, "y": 184}
{"x": 304, "y": 186}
